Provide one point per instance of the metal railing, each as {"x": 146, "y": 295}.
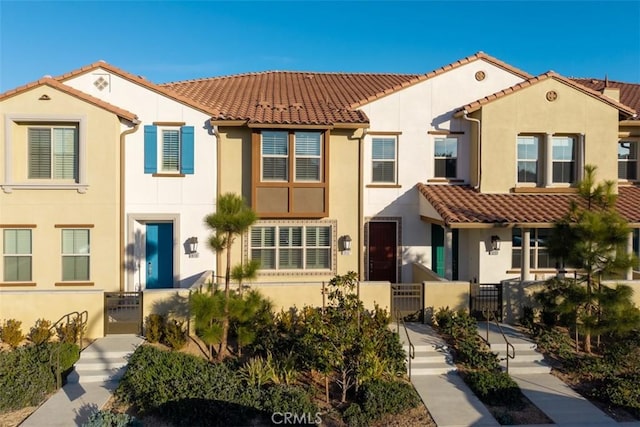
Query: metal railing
{"x": 412, "y": 349}
{"x": 80, "y": 319}
{"x": 508, "y": 346}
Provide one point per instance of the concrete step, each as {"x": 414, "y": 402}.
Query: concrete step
{"x": 427, "y": 348}
{"x": 88, "y": 353}
{"x": 525, "y": 368}
{"x": 95, "y": 375}
{"x": 439, "y": 368}
{"x": 524, "y": 356}
{"x": 431, "y": 358}
{"x": 519, "y": 346}
{"x": 93, "y": 364}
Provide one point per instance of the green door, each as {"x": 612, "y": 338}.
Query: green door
{"x": 437, "y": 251}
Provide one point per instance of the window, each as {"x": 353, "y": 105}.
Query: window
{"x": 17, "y": 255}
{"x": 276, "y": 147}
{"x": 538, "y": 253}
{"x": 563, "y": 157}
{"x": 446, "y": 157}
{"x": 170, "y": 150}
{"x": 627, "y": 160}
{"x": 75, "y": 254}
{"x": 173, "y": 154}
{"x": 383, "y": 157}
{"x": 275, "y": 156}
{"x": 53, "y": 152}
{"x": 284, "y": 247}
{"x": 528, "y": 151}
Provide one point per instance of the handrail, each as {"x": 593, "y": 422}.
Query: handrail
{"x": 412, "y": 349}
{"x": 510, "y": 355}
{"x": 81, "y": 318}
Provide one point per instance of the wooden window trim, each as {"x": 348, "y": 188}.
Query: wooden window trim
{"x": 16, "y": 284}
{"x": 290, "y": 184}
{"x": 445, "y": 132}
{"x": 168, "y": 175}
{"x": 18, "y": 226}
{"x": 383, "y": 186}
{"x": 74, "y": 284}
{"x": 74, "y": 226}
{"x": 169, "y": 124}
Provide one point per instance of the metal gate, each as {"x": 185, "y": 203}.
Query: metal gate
{"x": 123, "y": 313}
{"x": 408, "y": 299}
{"x": 485, "y": 297}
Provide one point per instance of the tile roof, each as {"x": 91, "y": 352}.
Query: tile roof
{"x": 309, "y": 98}
{"x": 48, "y": 81}
{"x": 476, "y": 105}
{"x": 629, "y": 92}
{"x": 461, "y": 204}
{"x": 139, "y": 80}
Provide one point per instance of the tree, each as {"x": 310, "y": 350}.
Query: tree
{"x": 592, "y": 237}
{"x": 231, "y": 219}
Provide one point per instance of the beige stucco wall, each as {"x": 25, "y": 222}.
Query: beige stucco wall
{"x": 528, "y": 111}
{"x": 99, "y": 206}
{"x": 29, "y": 306}
{"x": 310, "y": 294}
{"x": 454, "y": 295}
{"x": 235, "y": 177}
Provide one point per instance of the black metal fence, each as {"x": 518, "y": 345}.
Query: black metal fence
{"x": 123, "y": 313}
{"x": 485, "y": 297}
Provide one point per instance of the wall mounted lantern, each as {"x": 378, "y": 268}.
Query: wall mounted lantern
{"x": 495, "y": 243}
{"x": 346, "y": 245}
{"x": 193, "y": 246}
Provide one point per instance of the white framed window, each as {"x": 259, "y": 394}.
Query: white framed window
{"x": 628, "y": 160}
{"x": 539, "y": 257}
{"x": 308, "y": 154}
{"x": 446, "y": 157}
{"x": 275, "y": 155}
{"x": 384, "y": 155}
{"x": 528, "y": 151}
{"x": 563, "y": 157}
{"x": 170, "y": 150}
{"x": 17, "y": 255}
{"x": 75, "y": 254}
{"x": 292, "y": 247}
{"x": 53, "y": 152}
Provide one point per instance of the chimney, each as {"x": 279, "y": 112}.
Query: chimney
{"x": 612, "y": 92}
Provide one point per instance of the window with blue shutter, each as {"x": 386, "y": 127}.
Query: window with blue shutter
{"x": 150, "y": 149}
{"x": 187, "y": 154}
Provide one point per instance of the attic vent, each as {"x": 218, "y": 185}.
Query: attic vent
{"x": 44, "y": 97}
{"x": 308, "y": 76}
{"x": 296, "y": 106}
{"x": 280, "y": 107}
{"x": 263, "y": 104}
{"x": 101, "y": 83}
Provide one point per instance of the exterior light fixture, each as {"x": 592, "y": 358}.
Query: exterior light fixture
{"x": 193, "y": 246}
{"x": 346, "y": 244}
{"x": 495, "y": 243}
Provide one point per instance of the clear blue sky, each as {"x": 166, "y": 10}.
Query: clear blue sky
{"x": 169, "y": 40}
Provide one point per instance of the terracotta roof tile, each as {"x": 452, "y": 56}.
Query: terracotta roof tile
{"x": 476, "y": 105}
{"x": 629, "y": 92}
{"x": 288, "y": 97}
{"x": 460, "y": 204}
{"x": 48, "y": 81}
{"x": 139, "y": 80}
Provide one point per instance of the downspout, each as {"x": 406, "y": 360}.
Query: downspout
{"x": 361, "y": 203}
{"x": 216, "y": 133}
{"x": 136, "y": 125}
{"x": 479, "y": 165}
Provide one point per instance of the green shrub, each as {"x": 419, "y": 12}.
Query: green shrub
{"x": 11, "y": 333}
{"x": 111, "y": 419}
{"x": 71, "y": 331}
{"x": 41, "y": 332}
{"x": 284, "y": 398}
{"x": 621, "y": 391}
{"x": 154, "y": 327}
{"x": 494, "y": 388}
{"x": 354, "y": 417}
{"x": 377, "y": 398}
{"x": 25, "y": 377}
{"x": 444, "y": 319}
{"x": 175, "y": 335}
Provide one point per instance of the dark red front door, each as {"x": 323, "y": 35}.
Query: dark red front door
{"x": 382, "y": 251}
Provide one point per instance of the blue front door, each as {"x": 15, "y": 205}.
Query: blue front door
{"x": 159, "y": 250}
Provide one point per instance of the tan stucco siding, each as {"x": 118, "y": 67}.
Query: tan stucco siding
{"x": 528, "y": 111}
{"x": 48, "y": 208}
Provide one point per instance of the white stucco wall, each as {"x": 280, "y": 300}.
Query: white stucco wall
{"x": 189, "y": 198}
{"x": 414, "y": 111}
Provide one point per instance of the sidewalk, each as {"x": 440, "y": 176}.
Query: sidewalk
{"x": 451, "y": 403}
{"x": 86, "y": 392}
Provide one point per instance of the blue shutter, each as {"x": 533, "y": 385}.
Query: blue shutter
{"x": 186, "y": 140}
{"x": 150, "y": 149}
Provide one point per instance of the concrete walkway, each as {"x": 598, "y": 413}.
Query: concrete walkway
{"x": 451, "y": 403}
{"x": 90, "y": 386}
